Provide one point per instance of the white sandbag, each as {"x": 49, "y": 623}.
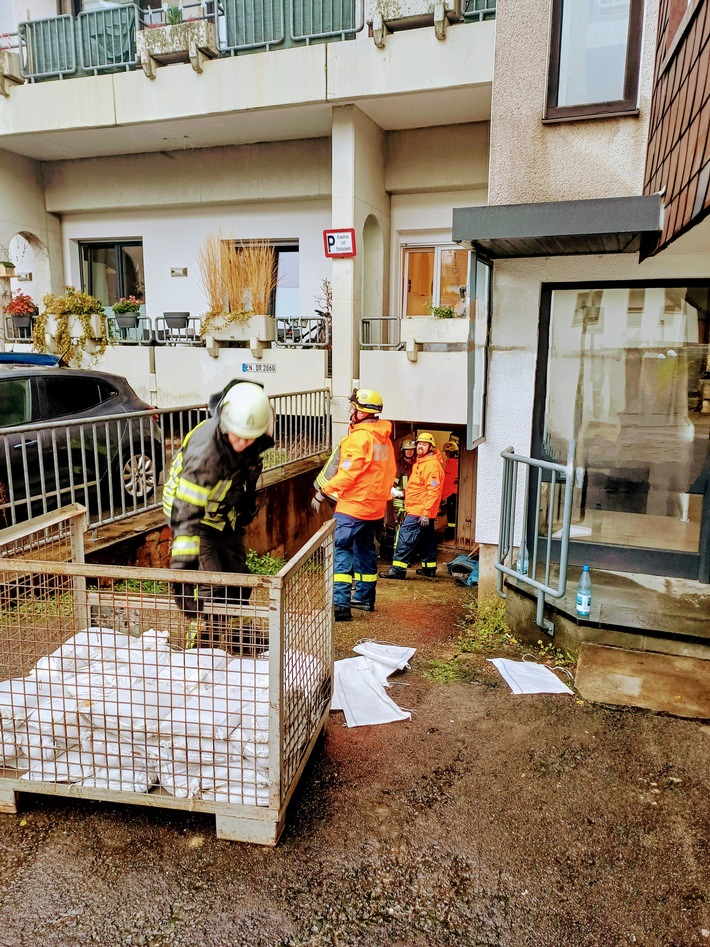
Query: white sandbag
{"x": 140, "y": 708}
{"x": 255, "y": 720}
{"x": 66, "y": 768}
{"x": 123, "y": 780}
{"x": 8, "y": 745}
{"x": 179, "y": 779}
{"x": 392, "y": 656}
{"x": 239, "y": 795}
{"x": 56, "y": 719}
{"x": 126, "y": 744}
{"x": 18, "y": 697}
{"x": 213, "y": 712}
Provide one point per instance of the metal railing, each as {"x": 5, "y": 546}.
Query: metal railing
{"x": 48, "y": 48}
{"x": 541, "y": 506}
{"x": 302, "y": 332}
{"x": 322, "y": 19}
{"x": 252, "y": 24}
{"x": 107, "y": 38}
{"x": 475, "y": 10}
{"x": 380, "y": 332}
{"x": 115, "y": 465}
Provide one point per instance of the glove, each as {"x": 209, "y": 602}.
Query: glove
{"x": 396, "y": 493}
{"x": 423, "y": 520}
{"x": 316, "y": 501}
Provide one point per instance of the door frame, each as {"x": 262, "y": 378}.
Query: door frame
{"x": 644, "y": 560}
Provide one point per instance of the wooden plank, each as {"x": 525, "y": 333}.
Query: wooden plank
{"x": 466, "y": 501}
{"x": 665, "y": 683}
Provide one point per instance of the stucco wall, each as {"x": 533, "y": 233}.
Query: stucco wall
{"x": 533, "y": 162}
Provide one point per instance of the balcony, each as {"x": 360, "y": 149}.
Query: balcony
{"x": 109, "y": 40}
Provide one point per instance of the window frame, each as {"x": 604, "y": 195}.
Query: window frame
{"x": 117, "y": 245}
{"x": 628, "y": 105}
{"x": 437, "y": 248}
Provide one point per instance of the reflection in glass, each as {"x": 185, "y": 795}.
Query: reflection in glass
{"x": 593, "y": 51}
{"x": 635, "y": 394}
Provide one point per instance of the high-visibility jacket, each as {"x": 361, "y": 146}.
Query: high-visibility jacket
{"x": 451, "y": 477}
{"x": 361, "y": 486}
{"x": 425, "y": 487}
{"x": 209, "y": 486}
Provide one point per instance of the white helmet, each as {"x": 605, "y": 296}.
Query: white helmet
{"x": 245, "y": 411}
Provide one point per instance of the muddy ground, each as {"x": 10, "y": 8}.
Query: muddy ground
{"x": 488, "y": 819}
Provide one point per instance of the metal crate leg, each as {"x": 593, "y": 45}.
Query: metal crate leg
{"x": 261, "y": 832}
{"x": 8, "y": 801}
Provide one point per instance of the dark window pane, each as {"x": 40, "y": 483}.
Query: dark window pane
{"x": 15, "y": 402}
{"x": 70, "y": 396}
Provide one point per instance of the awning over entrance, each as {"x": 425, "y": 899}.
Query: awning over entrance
{"x": 560, "y": 228}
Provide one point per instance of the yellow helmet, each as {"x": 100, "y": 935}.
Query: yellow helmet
{"x": 366, "y": 400}
{"x": 451, "y": 446}
{"x": 427, "y": 438}
{"x": 408, "y": 445}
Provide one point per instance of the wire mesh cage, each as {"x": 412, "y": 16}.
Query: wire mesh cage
{"x": 208, "y": 693}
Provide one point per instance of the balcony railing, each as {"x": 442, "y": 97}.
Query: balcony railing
{"x": 105, "y": 40}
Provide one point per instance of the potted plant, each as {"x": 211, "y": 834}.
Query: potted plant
{"x": 238, "y": 281}
{"x": 176, "y": 40}
{"x": 126, "y": 311}
{"x": 22, "y": 309}
{"x": 70, "y": 325}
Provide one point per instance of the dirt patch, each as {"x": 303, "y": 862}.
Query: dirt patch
{"x": 488, "y": 819}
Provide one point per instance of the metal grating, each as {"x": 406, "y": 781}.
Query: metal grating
{"x": 120, "y": 683}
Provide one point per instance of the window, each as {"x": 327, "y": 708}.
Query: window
{"x": 113, "y": 270}
{"x": 286, "y": 300}
{"x": 595, "y": 51}
{"x": 72, "y": 397}
{"x": 15, "y": 401}
{"x": 434, "y": 276}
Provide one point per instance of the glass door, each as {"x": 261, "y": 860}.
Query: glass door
{"x": 625, "y": 372}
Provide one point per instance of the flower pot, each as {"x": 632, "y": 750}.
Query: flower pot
{"x": 21, "y": 322}
{"x": 258, "y": 327}
{"x": 176, "y": 320}
{"x": 192, "y": 41}
{"x": 127, "y": 320}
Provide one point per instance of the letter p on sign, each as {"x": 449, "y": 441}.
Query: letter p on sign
{"x": 339, "y": 243}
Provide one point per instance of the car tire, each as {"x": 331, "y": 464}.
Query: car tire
{"x": 139, "y": 477}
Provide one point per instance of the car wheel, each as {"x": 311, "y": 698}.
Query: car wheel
{"x": 138, "y": 476}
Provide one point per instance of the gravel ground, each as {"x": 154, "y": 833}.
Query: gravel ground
{"x": 487, "y": 819}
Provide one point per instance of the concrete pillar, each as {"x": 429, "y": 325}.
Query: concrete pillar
{"x": 358, "y": 174}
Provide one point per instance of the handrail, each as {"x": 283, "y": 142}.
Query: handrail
{"x": 525, "y": 573}
{"x": 317, "y": 19}
{"x": 384, "y": 327}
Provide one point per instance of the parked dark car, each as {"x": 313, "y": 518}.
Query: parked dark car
{"x": 76, "y": 450}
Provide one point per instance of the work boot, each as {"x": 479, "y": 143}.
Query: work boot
{"x": 429, "y": 573}
{"x": 342, "y": 613}
{"x": 393, "y": 574}
{"x": 362, "y": 606}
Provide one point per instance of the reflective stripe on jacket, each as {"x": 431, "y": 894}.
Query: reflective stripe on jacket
{"x": 362, "y": 483}
{"x": 426, "y": 484}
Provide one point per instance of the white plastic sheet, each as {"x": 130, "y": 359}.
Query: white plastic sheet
{"x": 526, "y": 677}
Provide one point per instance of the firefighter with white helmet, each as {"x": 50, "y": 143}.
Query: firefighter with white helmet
{"x": 210, "y": 494}
{"x": 360, "y": 488}
{"x": 422, "y": 499}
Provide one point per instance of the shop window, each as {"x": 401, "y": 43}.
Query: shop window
{"x": 114, "y": 270}
{"x": 434, "y": 277}
{"x": 595, "y": 52}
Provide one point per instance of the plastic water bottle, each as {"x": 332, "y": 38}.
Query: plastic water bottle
{"x": 521, "y": 563}
{"x": 584, "y": 593}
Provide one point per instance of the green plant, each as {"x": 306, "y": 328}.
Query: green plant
{"x": 264, "y": 564}
{"x": 174, "y": 15}
{"x": 126, "y": 304}
{"x": 441, "y": 312}
{"x": 443, "y": 672}
{"x": 484, "y": 625}
{"x": 73, "y": 305}
{"x": 548, "y": 653}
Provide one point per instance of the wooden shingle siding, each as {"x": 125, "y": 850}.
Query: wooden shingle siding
{"x": 679, "y": 125}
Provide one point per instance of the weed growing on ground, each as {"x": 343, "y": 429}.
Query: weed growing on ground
{"x": 549, "y": 654}
{"x": 443, "y": 672}
{"x": 485, "y": 628}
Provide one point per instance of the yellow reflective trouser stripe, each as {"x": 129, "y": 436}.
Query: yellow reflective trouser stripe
{"x": 192, "y": 492}
{"x": 186, "y": 546}
{"x": 399, "y": 565}
{"x": 343, "y": 577}
{"x": 451, "y": 524}
{"x": 368, "y": 578}
{"x": 357, "y": 577}
{"x": 428, "y": 565}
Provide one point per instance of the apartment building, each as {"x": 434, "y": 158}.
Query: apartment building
{"x": 537, "y": 174}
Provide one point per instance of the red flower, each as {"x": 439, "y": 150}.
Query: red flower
{"x": 21, "y": 305}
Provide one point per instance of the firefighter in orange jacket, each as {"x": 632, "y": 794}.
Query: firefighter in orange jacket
{"x": 422, "y": 500}
{"x": 360, "y": 488}
{"x": 451, "y": 486}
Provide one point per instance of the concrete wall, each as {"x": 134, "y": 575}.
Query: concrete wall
{"x": 571, "y": 160}
{"x": 22, "y": 211}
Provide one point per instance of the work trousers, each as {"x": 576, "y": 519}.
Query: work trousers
{"x": 414, "y": 540}
{"x": 355, "y": 560}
